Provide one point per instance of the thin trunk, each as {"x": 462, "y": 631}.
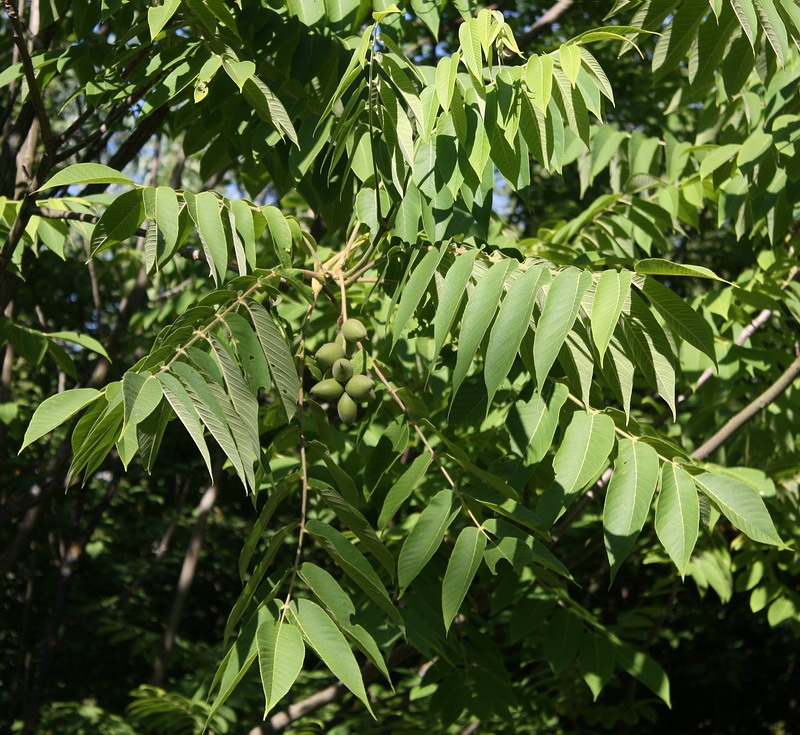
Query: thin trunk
{"x": 185, "y": 580}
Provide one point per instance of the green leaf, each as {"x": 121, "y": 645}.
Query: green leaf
{"x": 403, "y": 487}
{"x": 414, "y": 290}
{"x": 461, "y": 569}
{"x": 628, "y": 498}
{"x": 159, "y": 15}
{"x": 641, "y": 666}
{"x": 741, "y": 505}
{"x": 141, "y": 395}
{"x": 280, "y": 659}
{"x": 55, "y": 410}
{"x": 248, "y": 348}
{"x": 425, "y": 538}
{"x": 681, "y": 318}
{"x": 558, "y": 315}
{"x": 646, "y": 343}
{"x": 446, "y": 73}
{"x": 450, "y": 297}
{"x": 250, "y": 589}
{"x": 469, "y": 38}
{"x": 237, "y": 661}
{"x": 357, "y": 523}
{"x": 660, "y": 267}
{"x": 587, "y": 442}
{"x": 716, "y": 158}
{"x": 269, "y": 107}
{"x": 166, "y": 216}
{"x": 210, "y": 411}
{"x": 184, "y": 409}
{"x": 150, "y": 433}
{"x": 207, "y": 217}
{"x": 562, "y": 639}
{"x": 570, "y": 58}
{"x": 239, "y": 71}
{"x": 678, "y": 36}
{"x": 677, "y": 515}
{"x": 86, "y": 173}
{"x": 746, "y": 14}
{"x": 539, "y": 80}
{"x": 90, "y": 343}
{"x": 279, "y": 357}
{"x": 754, "y": 149}
{"x": 275, "y": 498}
{"x": 337, "y": 602}
{"x": 355, "y": 565}
{"x": 330, "y": 645}
{"x": 244, "y": 225}
{"x": 478, "y": 315}
{"x": 613, "y": 288}
{"x": 607, "y": 141}
{"x": 280, "y": 233}
{"x": 119, "y": 222}
{"x": 243, "y": 400}
{"x": 596, "y": 661}
{"x": 509, "y": 328}
{"x": 532, "y": 425}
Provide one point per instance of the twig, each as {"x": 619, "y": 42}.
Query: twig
{"x": 92, "y": 219}
{"x": 175, "y": 289}
{"x": 303, "y": 464}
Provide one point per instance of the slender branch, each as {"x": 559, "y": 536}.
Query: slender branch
{"x": 547, "y": 18}
{"x": 303, "y": 463}
{"x": 30, "y": 76}
{"x": 743, "y": 336}
{"x": 741, "y": 418}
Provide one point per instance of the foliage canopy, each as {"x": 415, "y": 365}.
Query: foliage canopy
{"x": 571, "y": 236}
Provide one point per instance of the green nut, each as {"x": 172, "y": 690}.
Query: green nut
{"x": 327, "y": 390}
{"x": 353, "y": 330}
{"x": 359, "y": 387}
{"x": 347, "y": 409}
{"x": 343, "y": 370}
{"x": 329, "y": 353}
{"x": 340, "y": 340}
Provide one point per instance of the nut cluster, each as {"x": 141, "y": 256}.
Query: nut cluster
{"x": 341, "y": 382}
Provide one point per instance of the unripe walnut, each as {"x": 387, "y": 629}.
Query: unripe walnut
{"x": 327, "y": 390}
{"x": 353, "y": 330}
{"x": 359, "y": 387}
{"x": 329, "y": 353}
{"x": 343, "y": 370}
{"x": 347, "y": 409}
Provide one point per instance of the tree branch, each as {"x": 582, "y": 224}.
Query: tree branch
{"x": 741, "y": 418}
{"x": 547, "y": 18}
{"x": 30, "y": 76}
